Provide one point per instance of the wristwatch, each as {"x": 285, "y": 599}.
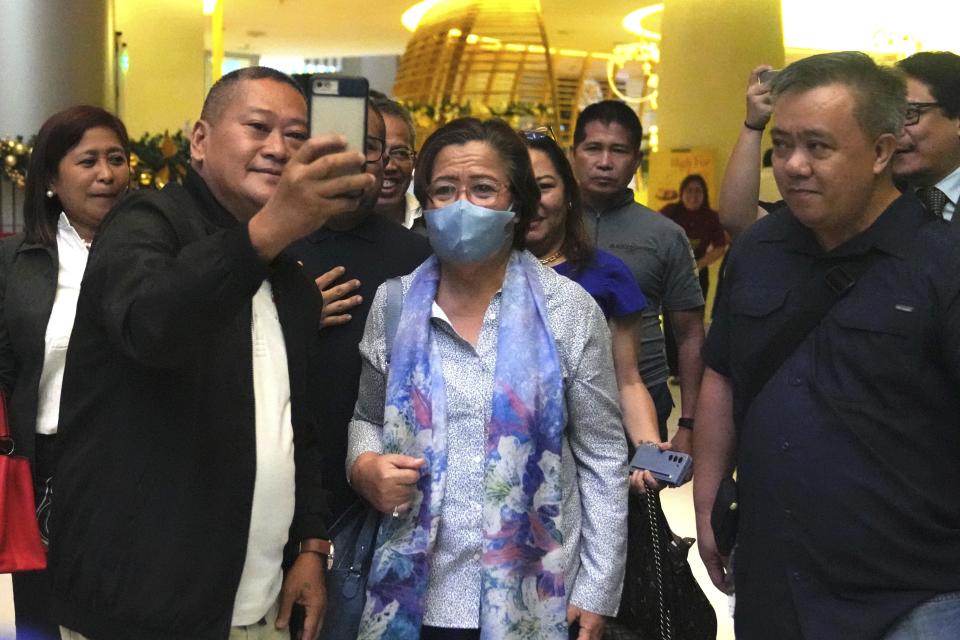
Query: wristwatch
{"x": 320, "y": 547}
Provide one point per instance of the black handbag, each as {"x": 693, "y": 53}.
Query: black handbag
{"x": 354, "y": 535}
{"x": 661, "y": 599}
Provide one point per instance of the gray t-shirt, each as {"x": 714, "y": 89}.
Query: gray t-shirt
{"x": 658, "y": 253}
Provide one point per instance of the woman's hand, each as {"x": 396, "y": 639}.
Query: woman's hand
{"x": 592, "y": 624}
{"x": 641, "y": 480}
{"x": 386, "y": 480}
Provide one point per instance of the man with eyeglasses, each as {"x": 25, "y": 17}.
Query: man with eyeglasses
{"x": 395, "y": 201}
{"x": 928, "y": 151}
{"x": 349, "y": 258}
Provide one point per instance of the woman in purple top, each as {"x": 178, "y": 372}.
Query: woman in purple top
{"x": 557, "y": 237}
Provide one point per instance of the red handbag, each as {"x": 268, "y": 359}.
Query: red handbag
{"x": 20, "y": 545}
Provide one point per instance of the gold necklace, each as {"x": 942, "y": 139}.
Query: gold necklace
{"x": 553, "y": 257}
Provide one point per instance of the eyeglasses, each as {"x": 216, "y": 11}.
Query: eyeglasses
{"x": 480, "y": 192}
{"x": 916, "y": 109}
{"x": 402, "y": 155}
{"x": 373, "y": 149}
{"x": 539, "y": 133}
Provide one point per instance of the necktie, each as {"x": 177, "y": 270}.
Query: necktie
{"x": 933, "y": 199}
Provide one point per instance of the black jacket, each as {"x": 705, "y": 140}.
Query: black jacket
{"x": 28, "y": 284}
{"x": 157, "y": 439}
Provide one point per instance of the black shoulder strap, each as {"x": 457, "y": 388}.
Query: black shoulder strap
{"x": 817, "y": 295}
{"x": 391, "y": 317}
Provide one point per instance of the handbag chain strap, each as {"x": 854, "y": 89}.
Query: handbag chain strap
{"x": 666, "y": 630}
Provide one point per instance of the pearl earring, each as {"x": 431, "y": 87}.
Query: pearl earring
{"x": 50, "y": 193}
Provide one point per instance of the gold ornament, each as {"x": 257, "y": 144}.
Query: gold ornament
{"x": 134, "y": 160}
{"x": 10, "y": 161}
{"x": 145, "y": 179}
{"x": 19, "y": 149}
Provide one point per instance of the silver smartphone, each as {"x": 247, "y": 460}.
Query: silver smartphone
{"x": 338, "y": 104}
{"x": 670, "y": 467}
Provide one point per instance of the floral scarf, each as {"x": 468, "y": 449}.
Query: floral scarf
{"x": 522, "y": 594}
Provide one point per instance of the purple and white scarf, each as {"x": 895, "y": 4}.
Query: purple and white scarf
{"x": 522, "y": 594}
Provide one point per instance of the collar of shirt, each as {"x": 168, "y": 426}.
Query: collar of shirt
{"x": 413, "y": 210}
{"x": 70, "y": 246}
{"x": 619, "y": 202}
{"x": 950, "y": 186}
{"x": 366, "y": 229}
{"x": 211, "y": 207}
{"x": 886, "y": 233}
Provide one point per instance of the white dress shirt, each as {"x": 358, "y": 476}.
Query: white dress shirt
{"x": 273, "y": 491}
{"x": 72, "y": 255}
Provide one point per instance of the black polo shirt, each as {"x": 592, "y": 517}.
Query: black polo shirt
{"x": 374, "y": 251}
{"x": 849, "y": 458}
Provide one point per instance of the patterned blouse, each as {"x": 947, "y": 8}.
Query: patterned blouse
{"x": 594, "y": 471}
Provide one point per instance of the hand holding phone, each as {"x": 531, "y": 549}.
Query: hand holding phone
{"x": 669, "y": 467}
{"x": 315, "y": 185}
{"x": 766, "y": 77}
{"x": 338, "y": 104}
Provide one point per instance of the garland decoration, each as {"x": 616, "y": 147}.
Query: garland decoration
{"x": 16, "y": 154}
{"x": 155, "y": 159}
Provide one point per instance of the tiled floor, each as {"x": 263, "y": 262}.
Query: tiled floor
{"x": 677, "y": 504}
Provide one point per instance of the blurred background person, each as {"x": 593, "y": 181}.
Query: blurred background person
{"x": 499, "y": 417}
{"x": 78, "y": 169}
{"x": 701, "y": 224}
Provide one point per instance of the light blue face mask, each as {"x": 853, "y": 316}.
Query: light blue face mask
{"x": 463, "y": 232}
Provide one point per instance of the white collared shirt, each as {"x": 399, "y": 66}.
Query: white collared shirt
{"x": 72, "y": 255}
{"x": 273, "y": 491}
{"x": 413, "y": 210}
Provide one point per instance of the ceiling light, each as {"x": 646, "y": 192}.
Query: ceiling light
{"x": 412, "y": 16}
{"x": 634, "y": 21}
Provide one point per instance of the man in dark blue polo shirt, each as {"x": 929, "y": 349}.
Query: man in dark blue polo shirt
{"x": 350, "y": 257}
{"x": 848, "y": 457}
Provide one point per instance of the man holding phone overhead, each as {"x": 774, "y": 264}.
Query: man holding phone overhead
{"x": 190, "y": 456}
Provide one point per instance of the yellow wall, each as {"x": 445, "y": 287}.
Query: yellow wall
{"x": 163, "y": 88}
{"x": 706, "y": 56}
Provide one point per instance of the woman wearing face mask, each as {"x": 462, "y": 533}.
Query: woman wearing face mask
{"x": 493, "y": 440}
{"x": 78, "y": 169}
{"x": 556, "y": 236}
